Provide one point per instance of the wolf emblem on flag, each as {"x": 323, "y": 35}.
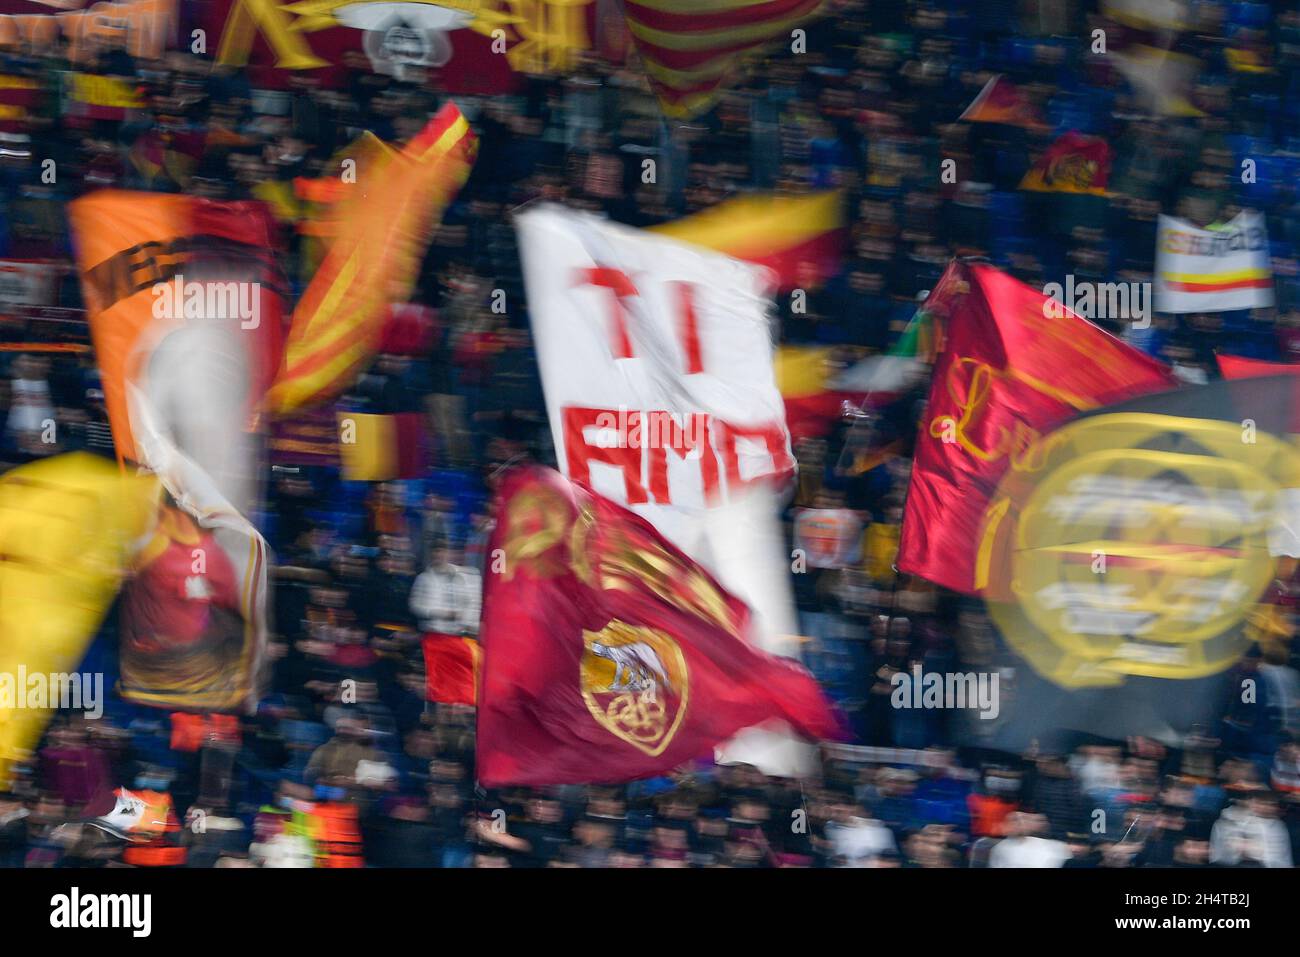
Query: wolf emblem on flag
{"x": 635, "y": 683}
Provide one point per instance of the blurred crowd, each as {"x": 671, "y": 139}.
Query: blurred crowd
{"x": 386, "y": 778}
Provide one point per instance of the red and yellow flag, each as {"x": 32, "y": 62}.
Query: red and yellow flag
{"x": 451, "y": 667}
{"x": 377, "y": 448}
{"x": 609, "y": 654}
{"x": 1001, "y": 101}
{"x": 1074, "y": 163}
{"x": 691, "y": 49}
{"x": 800, "y": 238}
{"x": 1011, "y": 369}
{"x": 385, "y": 228}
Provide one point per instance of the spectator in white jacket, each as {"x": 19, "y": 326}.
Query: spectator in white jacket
{"x": 1023, "y": 847}
{"x": 447, "y": 598}
{"x": 1250, "y": 831}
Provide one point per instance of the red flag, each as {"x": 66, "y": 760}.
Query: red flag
{"x": 609, "y": 654}
{"x": 451, "y": 666}
{"x": 1014, "y": 365}
{"x": 1239, "y": 367}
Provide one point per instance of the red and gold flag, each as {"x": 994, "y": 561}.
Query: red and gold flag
{"x": 691, "y": 49}
{"x": 1001, "y": 101}
{"x": 800, "y": 238}
{"x": 1074, "y": 163}
{"x": 1013, "y": 366}
{"x": 608, "y": 654}
{"x": 451, "y": 667}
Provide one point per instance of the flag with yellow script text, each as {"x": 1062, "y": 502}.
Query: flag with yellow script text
{"x": 1012, "y": 366}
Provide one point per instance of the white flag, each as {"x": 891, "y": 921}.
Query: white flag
{"x": 656, "y": 361}
{"x": 1213, "y": 270}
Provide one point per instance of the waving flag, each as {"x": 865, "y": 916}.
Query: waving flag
{"x": 608, "y": 654}
{"x": 65, "y": 526}
{"x": 1241, "y": 367}
{"x": 1011, "y": 368}
{"x": 656, "y": 361}
{"x": 691, "y": 49}
{"x": 1074, "y": 163}
{"x": 184, "y": 302}
{"x": 384, "y": 230}
{"x": 1213, "y": 270}
{"x": 1001, "y": 101}
{"x": 451, "y": 668}
{"x": 800, "y": 238}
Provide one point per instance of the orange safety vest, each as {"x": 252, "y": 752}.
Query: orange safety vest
{"x": 338, "y": 837}
{"x": 191, "y": 731}
{"x": 165, "y": 850}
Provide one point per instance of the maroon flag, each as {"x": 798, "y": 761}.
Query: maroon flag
{"x": 608, "y": 654}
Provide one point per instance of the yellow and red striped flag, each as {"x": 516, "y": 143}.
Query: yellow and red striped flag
{"x": 691, "y": 49}
{"x": 385, "y": 228}
{"x": 798, "y": 237}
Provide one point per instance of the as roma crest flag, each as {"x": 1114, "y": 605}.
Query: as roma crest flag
{"x": 1014, "y": 365}
{"x": 608, "y": 654}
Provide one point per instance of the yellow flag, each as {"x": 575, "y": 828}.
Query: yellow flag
{"x": 65, "y": 526}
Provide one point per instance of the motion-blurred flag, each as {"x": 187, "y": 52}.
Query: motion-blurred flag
{"x": 656, "y": 362}
{"x": 1074, "y": 163}
{"x": 812, "y": 404}
{"x": 95, "y": 97}
{"x": 1001, "y": 101}
{"x": 902, "y": 367}
{"x": 608, "y": 654}
{"x": 19, "y": 96}
{"x": 1160, "y": 78}
{"x": 66, "y": 523}
{"x": 377, "y": 448}
{"x": 386, "y": 225}
{"x": 800, "y": 238}
{"x": 152, "y": 266}
{"x": 1012, "y": 367}
{"x": 1215, "y": 269}
{"x": 451, "y": 669}
{"x": 184, "y": 301}
{"x": 1241, "y": 367}
{"x": 692, "y": 50}
{"x": 1149, "y": 15}
{"x": 1138, "y": 561}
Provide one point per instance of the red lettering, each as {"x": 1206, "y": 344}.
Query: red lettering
{"x": 772, "y": 435}
{"x": 682, "y": 441}
{"x": 620, "y": 287}
{"x": 687, "y": 328}
{"x": 580, "y": 453}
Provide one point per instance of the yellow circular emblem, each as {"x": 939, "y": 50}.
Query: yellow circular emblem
{"x": 1138, "y": 548}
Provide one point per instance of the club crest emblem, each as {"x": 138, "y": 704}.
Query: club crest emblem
{"x": 635, "y": 684}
